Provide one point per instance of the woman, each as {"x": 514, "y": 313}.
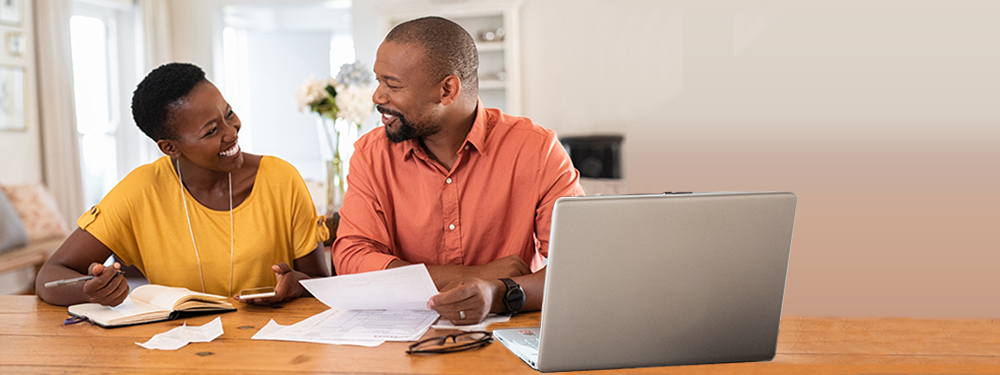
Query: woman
{"x": 206, "y": 216}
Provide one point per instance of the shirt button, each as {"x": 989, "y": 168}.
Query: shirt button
{"x": 452, "y": 227}
{"x": 448, "y": 180}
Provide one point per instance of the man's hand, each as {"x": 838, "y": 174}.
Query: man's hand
{"x": 106, "y": 287}
{"x": 508, "y": 266}
{"x": 445, "y": 276}
{"x": 472, "y": 297}
{"x": 288, "y": 286}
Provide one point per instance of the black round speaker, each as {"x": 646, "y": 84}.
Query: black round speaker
{"x": 596, "y": 156}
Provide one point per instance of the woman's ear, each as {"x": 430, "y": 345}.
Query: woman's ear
{"x": 168, "y": 147}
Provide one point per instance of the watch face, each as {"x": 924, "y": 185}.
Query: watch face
{"x": 515, "y": 299}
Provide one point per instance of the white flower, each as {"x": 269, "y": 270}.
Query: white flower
{"x": 310, "y": 93}
{"x": 354, "y": 103}
{"x": 347, "y": 96}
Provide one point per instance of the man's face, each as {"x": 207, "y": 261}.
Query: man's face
{"x": 407, "y": 98}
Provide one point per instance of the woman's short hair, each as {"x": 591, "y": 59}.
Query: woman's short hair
{"x": 161, "y": 88}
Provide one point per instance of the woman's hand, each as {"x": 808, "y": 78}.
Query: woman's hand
{"x": 288, "y": 286}
{"x": 106, "y": 288}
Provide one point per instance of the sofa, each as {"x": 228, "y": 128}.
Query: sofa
{"x": 31, "y": 229}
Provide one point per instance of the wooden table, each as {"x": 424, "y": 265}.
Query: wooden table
{"x": 33, "y": 339}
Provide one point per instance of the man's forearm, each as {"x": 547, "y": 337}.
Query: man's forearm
{"x": 533, "y": 286}
{"x": 442, "y": 275}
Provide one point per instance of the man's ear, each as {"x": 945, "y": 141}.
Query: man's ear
{"x": 451, "y": 87}
{"x": 168, "y": 147}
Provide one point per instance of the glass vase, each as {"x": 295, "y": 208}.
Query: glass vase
{"x": 330, "y": 151}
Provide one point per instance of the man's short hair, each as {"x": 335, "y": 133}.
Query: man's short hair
{"x": 449, "y": 49}
{"x": 161, "y": 88}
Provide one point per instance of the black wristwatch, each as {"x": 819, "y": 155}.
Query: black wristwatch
{"x": 513, "y": 300}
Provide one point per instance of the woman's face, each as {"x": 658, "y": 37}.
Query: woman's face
{"x": 205, "y": 130}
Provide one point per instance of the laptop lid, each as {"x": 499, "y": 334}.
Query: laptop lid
{"x": 669, "y": 279}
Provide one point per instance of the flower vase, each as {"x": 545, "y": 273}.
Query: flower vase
{"x": 335, "y": 184}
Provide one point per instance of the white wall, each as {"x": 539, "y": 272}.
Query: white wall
{"x": 285, "y": 59}
{"x": 192, "y": 24}
{"x": 21, "y": 151}
{"x": 883, "y": 116}
{"x": 582, "y": 72}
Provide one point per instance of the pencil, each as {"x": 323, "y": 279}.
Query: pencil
{"x": 74, "y": 280}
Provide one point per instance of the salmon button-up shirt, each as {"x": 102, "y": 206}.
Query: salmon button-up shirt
{"x": 495, "y": 201}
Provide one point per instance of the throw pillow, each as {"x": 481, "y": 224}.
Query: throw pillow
{"x": 37, "y": 209}
{"x": 12, "y": 233}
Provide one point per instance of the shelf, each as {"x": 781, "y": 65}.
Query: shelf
{"x": 488, "y": 84}
{"x": 489, "y": 46}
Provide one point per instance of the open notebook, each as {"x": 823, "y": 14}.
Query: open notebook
{"x": 152, "y": 303}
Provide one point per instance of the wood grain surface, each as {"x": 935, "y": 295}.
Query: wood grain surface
{"x": 33, "y": 339}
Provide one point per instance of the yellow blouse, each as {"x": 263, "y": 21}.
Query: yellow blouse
{"x": 142, "y": 221}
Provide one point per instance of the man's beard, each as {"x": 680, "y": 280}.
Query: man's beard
{"x": 406, "y": 130}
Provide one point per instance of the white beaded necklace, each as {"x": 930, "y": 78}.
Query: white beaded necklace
{"x": 231, "y": 237}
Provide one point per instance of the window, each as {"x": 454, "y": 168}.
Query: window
{"x": 267, "y": 50}
{"x": 94, "y": 121}
{"x": 103, "y": 52}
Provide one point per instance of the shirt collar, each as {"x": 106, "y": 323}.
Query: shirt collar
{"x": 476, "y": 137}
{"x": 480, "y": 129}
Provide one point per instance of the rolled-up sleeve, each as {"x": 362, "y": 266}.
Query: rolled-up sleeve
{"x": 557, "y": 178}
{"x": 363, "y": 234}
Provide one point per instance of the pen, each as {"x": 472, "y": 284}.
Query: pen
{"x": 74, "y": 280}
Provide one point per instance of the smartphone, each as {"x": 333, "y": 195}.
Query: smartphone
{"x": 254, "y": 293}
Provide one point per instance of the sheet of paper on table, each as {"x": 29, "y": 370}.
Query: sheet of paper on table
{"x": 481, "y": 326}
{"x": 366, "y": 309}
{"x": 180, "y": 336}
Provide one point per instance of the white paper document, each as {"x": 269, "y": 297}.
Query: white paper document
{"x": 354, "y": 327}
{"x": 180, "y": 336}
{"x": 402, "y": 288}
{"x": 367, "y": 309}
{"x": 481, "y": 326}
{"x": 301, "y": 331}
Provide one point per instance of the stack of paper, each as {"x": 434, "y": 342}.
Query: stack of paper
{"x": 367, "y": 309}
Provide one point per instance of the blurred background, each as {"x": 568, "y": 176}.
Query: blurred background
{"x": 883, "y": 116}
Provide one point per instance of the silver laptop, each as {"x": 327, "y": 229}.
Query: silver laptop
{"x": 654, "y": 280}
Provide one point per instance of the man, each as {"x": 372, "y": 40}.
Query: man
{"x": 465, "y": 190}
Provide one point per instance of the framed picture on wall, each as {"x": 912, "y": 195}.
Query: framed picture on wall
{"x": 15, "y": 44}
{"x": 12, "y": 98}
{"x": 10, "y": 12}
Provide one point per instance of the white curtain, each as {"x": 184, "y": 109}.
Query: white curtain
{"x": 155, "y": 33}
{"x": 156, "y": 50}
{"x": 60, "y": 150}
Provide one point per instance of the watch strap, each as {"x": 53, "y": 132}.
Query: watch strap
{"x": 507, "y": 303}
